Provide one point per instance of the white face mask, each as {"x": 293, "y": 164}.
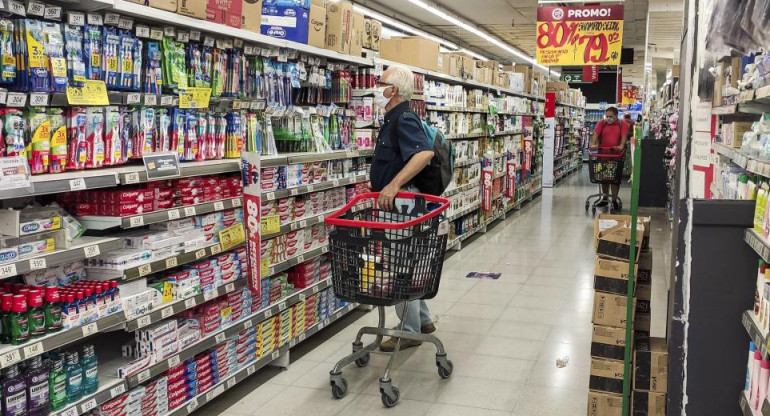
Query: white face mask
{"x": 380, "y": 100}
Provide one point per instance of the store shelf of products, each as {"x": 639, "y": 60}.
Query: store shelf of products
{"x": 743, "y": 401}
{"x": 461, "y": 188}
{"x": 79, "y": 249}
{"x": 749, "y": 322}
{"x": 284, "y": 159}
{"x": 219, "y": 336}
{"x": 508, "y": 133}
{"x": 465, "y": 211}
{"x": 288, "y": 264}
{"x": 196, "y": 402}
{"x": 109, "y": 388}
{"x": 97, "y": 222}
{"x": 306, "y": 222}
{"x": 466, "y": 136}
{"x": 322, "y": 186}
{"x": 758, "y": 243}
{"x": 456, "y": 109}
{"x": 752, "y": 164}
{"x": 171, "y": 262}
{"x": 138, "y": 174}
{"x": 467, "y": 162}
{"x": 64, "y": 182}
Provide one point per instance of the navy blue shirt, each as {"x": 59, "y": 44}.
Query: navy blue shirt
{"x": 395, "y": 146}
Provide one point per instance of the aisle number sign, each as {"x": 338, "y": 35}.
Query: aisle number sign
{"x": 584, "y": 35}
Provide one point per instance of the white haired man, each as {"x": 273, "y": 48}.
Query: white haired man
{"x": 402, "y": 151}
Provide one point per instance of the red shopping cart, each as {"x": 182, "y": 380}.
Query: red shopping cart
{"x": 383, "y": 258}
{"x": 605, "y": 167}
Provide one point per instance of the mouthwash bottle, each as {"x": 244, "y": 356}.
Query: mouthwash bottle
{"x": 74, "y": 373}
{"x": 19, "y": 321}
{"x": 36, "y": 314}
{"x": 90, "y": 370}
{"x": 38, "y": 390}
{"x": 57, "y": 384}
{"x": 6, "y": 305}
{"x": 53, "y": 310}
{"x": 14, "y": 392}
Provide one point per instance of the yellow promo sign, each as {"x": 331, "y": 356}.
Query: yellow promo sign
{"x": 93, "y": 92}
{"x": 195, "y": 98}
{"x": 232, "y": 236}
{"x": 579, "y": 36}
{"x": 270, "y": 224}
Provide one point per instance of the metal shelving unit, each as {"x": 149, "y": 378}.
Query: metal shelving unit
{"x": 81, "y": 248}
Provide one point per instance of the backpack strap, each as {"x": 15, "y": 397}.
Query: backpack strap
{"x": 394, "y": 129}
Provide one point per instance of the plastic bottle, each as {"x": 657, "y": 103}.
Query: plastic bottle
{"x": 90, "y": 370}
{"x": 19, "y": 321}
{"x": 752, "y": 348}
{"x": 36, "y": 314}
{"x": 14, "y": 392}
{"x": 760, "y": 288}
{"x": 6, "y": 304}
{"x": 57, "y": 384}
{"x": 70, "y": 313}
{"x": 53, "y": 310}
{"x": 117, "y": 305}
{"x": 38, "y": 392}
{"x": 74, "y": 373}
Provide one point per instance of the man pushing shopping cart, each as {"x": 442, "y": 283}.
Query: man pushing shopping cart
{"x": 605, "y": 164}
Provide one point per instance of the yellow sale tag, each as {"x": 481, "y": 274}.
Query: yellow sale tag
{"x": 194, "y": 98}
{"x": 93, "y": 92}
{"x": 232, "y": 236}
{"x": 264, "y": 267}
{"x": 271, "y": 224}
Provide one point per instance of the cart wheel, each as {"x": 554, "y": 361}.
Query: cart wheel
{"x": 445, "y": 368}
{"x": 339, "y": 388}
{"x": 391, "y": 401}
{"x": 363, "y": 361}
{"x": 593, "y": 211}
{"x": 587, "y": 206}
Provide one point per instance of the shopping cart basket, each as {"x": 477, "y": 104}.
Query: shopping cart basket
{"x": 384, "y": 258}
{"x": 604, "y": 167}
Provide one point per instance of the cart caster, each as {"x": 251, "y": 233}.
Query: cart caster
{"x": 390, "y": 394}
{"x": 339, "y": 386}
{"x": 445, "y": 367}
{"x": 593, "y": 211}
{"x": 587, "y": 206}
{"x": 363, "y": 361}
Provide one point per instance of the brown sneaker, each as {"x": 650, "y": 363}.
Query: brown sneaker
{"x": 428, "y": 328}
{"x": 390, "y": 345}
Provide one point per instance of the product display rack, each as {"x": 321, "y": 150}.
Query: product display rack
{"x": 81, "y": 248}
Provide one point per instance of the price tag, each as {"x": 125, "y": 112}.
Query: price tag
{"x": 338, "y": 315}
{"x": 315, "y": 289}
{"x": 195, "y": 98}
{"x": 91, "y": 251}
{"x": 111, "y": 19}
{"x": 142, "y": 31}
{"x": 174, "y": 361}
{"x": 52, "y": 13}
{"x": 117, "y": 390}
{"x": 200, "y": 254}
{"x": 248, "y": 324}
{"x": 209, "y": 295}
{"x": 33, "y": 350}
{"x": 302, "y": 297}
{"x": 294, "y": 191}
{"x": 8, "y": 270}
{"x": 89, "y": 405}
{"x": 230, "y": 287}
{"x": 77, "y": 184}
{"x": 171, "y": 262}
{"x": 37, "y": 264}
{"x": 145, "y": 269}
{"x": 169, "y": 31}
{"x": 208, "y": 41}
{"x": 216, "y": 249}
{"x": 321, "y": 325}
{"x": 95, "y": 19}
{"x": 301, "y": 337}
{"x": 72, "y": 411}
{"x": 150, "y": 99}
{"x": 275, "y": 355}
{"x": 232, "y": 236}
{"x": 248, "y": 50}
{"x": 90, "y": 329}
{"x": 270, "y": 196}
{"x": 189, "y": 211}
{"x": 16, "y": 8}
{"x": 166, "y": 100}
{"x": 131, "y": 178}
{"x": 268, "y": 313}
{"x": 38, "y": 99}
{"x": 137, "y": 221}
{"x": 270, "y": 224}
{"x": 156, "y": 34}
{"x": 192, "y": 405}
{"x": 219, "y": 206}
{"x": 336, "y": 183}
{"x": 183, "y": 37}
{"x": 300, "y": 258}
{"x": 35, "y": 9}
{"x": 303, "y": 224}
{"x": 195, "y": 35}
{"x": 281, "y": 306}
{"x": 143, "y": 321}
{"x": 310, "y": 188}
{"x": 236, "y": 202}
{"x": 292, "y": 343}
{"x": 76, "y": 18}
{"x": 220, "y": 338}
{"x": 250, "y": 370}
{"x": 16, "y": 99}
{"x": 230, "y": 383}
{"x": 126, "y": 23}
{"x": 10, "y": 358}
{"x": 264, "y": 267}
{"x": 166, "y": 312}
{"x": 174, "y": 214}
{"x": 190, "y": 303}
{"x": 143, "y": 376}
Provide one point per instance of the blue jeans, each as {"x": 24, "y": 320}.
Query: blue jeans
{"x": 417, "y": 316}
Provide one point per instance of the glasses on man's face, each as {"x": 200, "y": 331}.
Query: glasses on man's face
{"x": 381, "y": 84}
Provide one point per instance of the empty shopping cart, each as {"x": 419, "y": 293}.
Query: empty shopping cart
{"x": 605, "y": 166}
{"x": 383, "y": 258}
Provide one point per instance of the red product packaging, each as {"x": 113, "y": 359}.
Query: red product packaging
{"x": 192, "y": 200}
{"x": 187, "y": 182}
{"x": 123, "y": 210}
{"x": 161, "y": 204}
{"x": 133, "y": 196}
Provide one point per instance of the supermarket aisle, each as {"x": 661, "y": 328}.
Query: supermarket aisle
{"x": 504, "y": 336}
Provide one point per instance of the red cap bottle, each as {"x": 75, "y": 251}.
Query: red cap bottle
{"x": 6, "y": 302}
{"x": 19, "y": 304}
{"x": 34, "y": 298}
{"x": 52, "y": 295}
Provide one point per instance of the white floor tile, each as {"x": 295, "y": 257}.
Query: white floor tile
{"x": 478, "y": 392}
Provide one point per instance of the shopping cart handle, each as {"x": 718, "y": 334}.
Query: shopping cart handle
{"x": 334, "y": 219}
{"x": 595, "y": 152}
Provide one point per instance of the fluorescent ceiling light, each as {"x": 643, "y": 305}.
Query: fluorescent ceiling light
{"x": 398, "y": 25}
{"x": 459, "y": 23}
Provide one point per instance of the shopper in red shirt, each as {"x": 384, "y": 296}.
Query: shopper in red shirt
{"x": 610, "y": 133}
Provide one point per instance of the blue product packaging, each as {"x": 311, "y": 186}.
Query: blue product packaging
{"x": 286, "y": 22}
{"x": 305, "y": 4}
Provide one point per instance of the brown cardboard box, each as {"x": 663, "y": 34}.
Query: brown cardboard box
{"x": 316, "y": 32}
{"x": 645, "y": 268}
{"x": 368, "y": 33}
{"x": 651, "y": 367}
{"x": 194, "y": 8}
{"x": 606, "y": 221}
{"x": 252, "y": 15}
{"x": 604, "y": 404}
{"x": 606, "y": 375}
{"x": 642, "y": 323}
{"x": 466, "y": 65}
{"x": 616, "y": 242}
{"x": 357, "y": 36}
{"x": 493, "y": 65}
{"x": 226, "y": 12}
{"x": 376, "y": 34}
{"x": 339, "y": 21}
{"x": 609, "y": 310}
{"x": 413, "y": 50}
{"x": 646, "y": 403}
{"x": 611, "y": 276}
{"x": 452, "y": 64}
{"x": 608, "y": 342}
{"x": 735, "y": 71}
{"x": 170, "y": 5}
{"x": 556, "y": 86}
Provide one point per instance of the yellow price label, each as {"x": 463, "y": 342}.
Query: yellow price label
{"x": 232, "y": 236}
{"x": 93, "y": 92}
{"x": 264, "y": 268}
{"x": 195, "y": 98}
{"x": 271, "y": 224}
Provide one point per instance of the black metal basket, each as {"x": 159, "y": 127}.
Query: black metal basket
{"x": 605, "y": 168}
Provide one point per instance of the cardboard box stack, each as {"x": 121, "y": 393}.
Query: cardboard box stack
{"x": 608, "y": 346}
